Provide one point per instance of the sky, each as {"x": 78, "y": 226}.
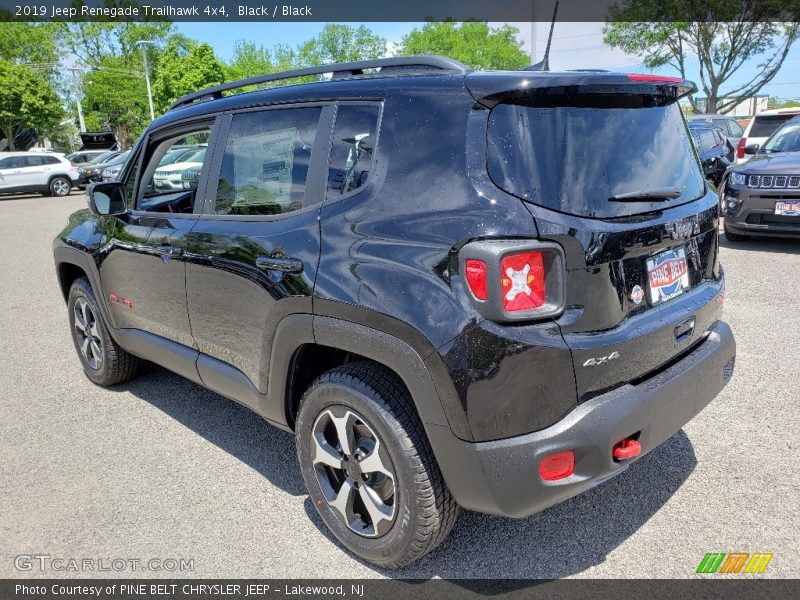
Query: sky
{"x": 575, "y": 46}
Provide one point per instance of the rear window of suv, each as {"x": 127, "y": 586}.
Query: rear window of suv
{"x": 573, "y": 153}
{"x": 766, "y": 125}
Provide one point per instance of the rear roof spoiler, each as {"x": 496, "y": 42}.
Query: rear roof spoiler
{"x": 489, "y": 88}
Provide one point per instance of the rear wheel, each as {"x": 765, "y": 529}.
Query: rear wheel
{"x": 369, "y": 468}
{"x": 60, "y": 186}
{"x": 103, "y": 360}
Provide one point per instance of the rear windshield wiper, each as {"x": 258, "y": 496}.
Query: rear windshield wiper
{"x": 653, "y": 194}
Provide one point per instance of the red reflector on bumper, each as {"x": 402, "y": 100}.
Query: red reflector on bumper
{"x": 557, "y": 466}
{"x": 627, "y": 449}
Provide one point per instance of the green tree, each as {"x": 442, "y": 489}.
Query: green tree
{"x": 31, "y": 42}
{"x": 341, "y": 43}
{"x": 94, "y": 41}
{"x": 27, "y": 101}
{"x": 472, "y": 42}
{"x": 251, "y": 59}
{"x": 721, "y": 35}
{"x": 115, "y": 98}
{"x": 181, "y": 72}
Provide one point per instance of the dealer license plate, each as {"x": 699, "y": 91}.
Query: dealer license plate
{"x": 667, "y": 275}
{"x": 788, "y": 209}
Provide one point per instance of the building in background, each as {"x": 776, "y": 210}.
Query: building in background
{"x": 748, "y": 107}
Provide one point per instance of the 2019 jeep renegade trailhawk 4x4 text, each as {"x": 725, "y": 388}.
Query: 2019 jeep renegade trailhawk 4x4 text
{"x": 434, "y": 277}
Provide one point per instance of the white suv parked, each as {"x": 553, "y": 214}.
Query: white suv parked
{"x": 43, "y": 172}
{"x": 763, "y": 125}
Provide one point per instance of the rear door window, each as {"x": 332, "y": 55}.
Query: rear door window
{"x": 266, "y": 162}
{"x": 574, "y": 153}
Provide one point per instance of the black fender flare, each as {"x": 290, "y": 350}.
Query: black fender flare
{"x": 395, "y": 345}
{"x": 85, "y": 262}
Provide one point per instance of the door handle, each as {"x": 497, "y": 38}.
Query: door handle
{"x": 684, "y": 331}
{"x": 280, "y": 262}
{"x": 169, "y": 250}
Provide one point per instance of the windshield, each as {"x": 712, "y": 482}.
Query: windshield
{"x": 786, "y": 139}
{"x": 574, "y": 153}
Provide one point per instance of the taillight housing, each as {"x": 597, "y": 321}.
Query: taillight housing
{"x": 740, "y": 147}
{"x": 514, "y": 280}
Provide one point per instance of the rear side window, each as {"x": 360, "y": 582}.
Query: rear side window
{"x": 353, "y": 147}
{"x": 766, "y": 125}
{"x": 265, "y": 166}
{"x": 734, "y": 129}
{"x": 573, "y": 153}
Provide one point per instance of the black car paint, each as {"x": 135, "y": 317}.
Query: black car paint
{"x": 714, "y": 158}
{"x": 380, "y": 274}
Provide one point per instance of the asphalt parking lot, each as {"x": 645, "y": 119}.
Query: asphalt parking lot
{"x": 161, "y": 468}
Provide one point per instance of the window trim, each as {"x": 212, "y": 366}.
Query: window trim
{"x": 370, "y": 176}
{"x": 317, "y": 178}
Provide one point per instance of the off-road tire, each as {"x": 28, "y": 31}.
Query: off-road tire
{"x": 424, "y": 510}
{"x": 117, "y": 365}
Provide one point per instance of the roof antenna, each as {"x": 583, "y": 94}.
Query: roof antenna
{"x": 544, "y": 65}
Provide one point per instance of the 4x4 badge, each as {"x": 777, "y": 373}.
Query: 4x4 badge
{"x": 593, "y": 362}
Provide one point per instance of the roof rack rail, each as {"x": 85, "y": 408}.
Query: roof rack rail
{"x": 339, "y": 70}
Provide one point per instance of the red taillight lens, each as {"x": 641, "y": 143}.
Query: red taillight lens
{"x": 476, "y": 277}
{"x": 557, "y": 466}
{"x": 740, "y": 148}
{"x": 514, "y": 280}
{"x": 73, "y": 164}
{"x": 522, "y": 283}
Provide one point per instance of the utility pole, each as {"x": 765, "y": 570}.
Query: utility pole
{"x": 78, "y": 94}
{"x": 142, "y": 44}
{"x": 533, "y": 42}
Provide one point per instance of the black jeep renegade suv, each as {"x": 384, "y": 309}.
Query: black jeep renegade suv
{"x": 491, "y": 290}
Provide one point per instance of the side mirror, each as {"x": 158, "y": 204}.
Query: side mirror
{"x": 107, "y": 198}
{"x": 751, "y": 148}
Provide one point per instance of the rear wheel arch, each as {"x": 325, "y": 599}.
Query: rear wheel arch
{"x": 337, "y": 342}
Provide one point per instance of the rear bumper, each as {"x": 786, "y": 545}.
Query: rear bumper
{"x": 501, "y": 477}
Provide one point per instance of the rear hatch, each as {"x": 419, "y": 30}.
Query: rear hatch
{"x": 605, "y": 164}
{"x": 99, "y": 140}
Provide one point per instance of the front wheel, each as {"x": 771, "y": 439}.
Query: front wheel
{"x": 103, "y": 360}
{"x": 369, "y": 468}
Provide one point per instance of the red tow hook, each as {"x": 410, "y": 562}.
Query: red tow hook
{"x": 626, "y": 449}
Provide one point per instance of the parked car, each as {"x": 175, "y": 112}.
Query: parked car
{"x": 729, "y": 126}
{"x": 93, "y": 171}
{"x": 479, "y": 313}
{"x": 713, "y": 149}
{"x": 84, "y": 156}
{"x": 43, "y": 172}
{"x": 762, "y": 196}
{"x": 113, "y": 167}
{"x": 170, "y": 175}
{"x": 761, "y": 127}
